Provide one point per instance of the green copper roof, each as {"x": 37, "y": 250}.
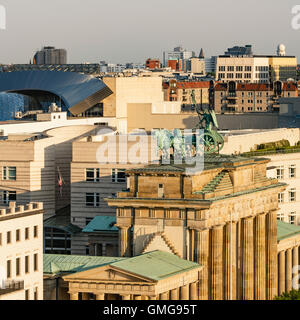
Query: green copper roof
{"x": 286, "y": 230}
{"x": 58, "y": 263}
{"x": 156, "y": 265}
{"x": 62, "y": 223}
{"x": 101, "y": 223}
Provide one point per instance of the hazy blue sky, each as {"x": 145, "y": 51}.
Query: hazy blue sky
{"x": 133, "y": 30}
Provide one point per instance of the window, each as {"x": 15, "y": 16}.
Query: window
{"x": 281, "y": 197}
{"x": 18, "y": 264}
{"x": 18, "y": 235}
{"x": 118, "y": 175}
{"x": 292, "y": 171}
{"x": 280, "y": 216}
{"x": 27, "y": 294}
{"x": 92, "y": 199}
{"x": 35, "y": 262}
{"x": 27, "y": 264}
{"x": 8, "y": 240}
{"x": 35, "y": 231}
{"x": 8, "y": 269}
{"x": 92, "y": 175}
{"x": 9, "y": 196}
{"x": 9, "y": 173}
{"x": 160, "y": 191}
{"x": 292, "y": 218}
{"x": 36, "y": 293}
{"x": 280, "y": 172}
{"x": 292, "y": 195}
{"x": 26, "y": 233}
{"x": 88, "y": 220}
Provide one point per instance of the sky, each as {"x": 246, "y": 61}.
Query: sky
{"x": 120, "y": 31}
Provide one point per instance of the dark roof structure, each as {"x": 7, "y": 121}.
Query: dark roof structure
{"x": 79, "y": 92}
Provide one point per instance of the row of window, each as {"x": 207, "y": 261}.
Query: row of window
{"x": 280, "y": 172}
{"x": 235, "y": 76}
{"x": 18, "y": 264}
{"x": 292, "y": 196}
{"x": 18, "y": 235}
{"x": 290, "y": 218}
{"x": 240, "y": 68}
{"x": 117, "y": 175}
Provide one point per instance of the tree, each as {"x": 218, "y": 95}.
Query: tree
{"x": 292, "y": 295}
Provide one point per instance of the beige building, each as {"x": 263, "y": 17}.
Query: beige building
{"x": 284, "y": 165}
{"x": 224, "y": 218}
{"x": 233, "y": 97}
{"x": 21, "y": 252}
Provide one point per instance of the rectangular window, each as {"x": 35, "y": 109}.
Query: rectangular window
{"x": 18, "y": 235}
{"x": 92, "y": 175}
{"x": 27, "y": 264}
{"x": 27, "y": 294}
{"x": 35, "y": 262}
{"x": 9, "y": 173}
{"x": 26, "y": 233}
{"x": 280, "y": 216}
{"x": 8, "y": 269}
{"x": 18, "y": 264}
{"x": 292, "y": 171}
{"x": 35, "y": 231}
{"x": 92, "y": 199}
{"x": 8, "y": 239}
{"x": 36, "y": 293}
{"x": 280, "y": 172}
{"x": 281, "y": 197}
{"x": 118, "y": 175}
{"x": 292, "y": 218}
{"x": 292, "y": 195}
{"x": 9, "y": 196}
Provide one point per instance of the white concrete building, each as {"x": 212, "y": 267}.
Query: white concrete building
{"x": 21, "y": 252}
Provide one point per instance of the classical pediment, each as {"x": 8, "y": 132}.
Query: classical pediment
{"x": 107, "y": 274}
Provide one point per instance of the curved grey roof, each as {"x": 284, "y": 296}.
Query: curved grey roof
{"x": 78, "y": 91}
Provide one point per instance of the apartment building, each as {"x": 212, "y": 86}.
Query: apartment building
{"x": 21, "y": 252}
{"x": 234, "y": 97}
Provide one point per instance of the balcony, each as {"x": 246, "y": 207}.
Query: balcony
{"x": 11, "y": 286}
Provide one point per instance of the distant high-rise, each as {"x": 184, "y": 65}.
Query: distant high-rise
{"x": 239, "y": 51}
{"x": 50, "y": 55}
{"x": 178, "y": 54}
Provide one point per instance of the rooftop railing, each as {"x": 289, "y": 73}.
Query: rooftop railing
{"x": 11, "y": 286}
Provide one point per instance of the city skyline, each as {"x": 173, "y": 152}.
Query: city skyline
{"x": 197, "y": 25}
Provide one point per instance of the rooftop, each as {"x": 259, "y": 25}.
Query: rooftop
{"x": 286, "y": 230}
{"x": 101, "y": 223}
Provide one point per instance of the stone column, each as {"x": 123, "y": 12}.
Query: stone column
{"x": 216, "y": 266}
{"x": 295, "y": 271}
{"x": 184, "y": 292}
{"x": 281, "y": 282}
{"x": 100, "y": 296}
{"x": 152, "y": 298}
{"x": 174, "y": 294}
{"x": 193, "y": 291}
{"x": 74, "y": 296}
{"x": 104, "y": 249}
{"x": 288, "y": 270}
{"x": 126, "y": 297}
{"x": 164, "y": 296}
{"x": 124, "y": 241}
{"x": 247, "y": 265}
{"x": 230, "y": 261}
{"x": 260, "y": 257}
{"x": 201, "y": 257}
{"x": 92, "y": 249}
{"x": 137, "y": 297}
{"x": 271, "y": 231}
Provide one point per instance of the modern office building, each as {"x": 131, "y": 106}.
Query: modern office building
{"x": 21, "y": 252}
{"x": 240, "y": 51}
{"x": 50, "y": 55}
{"x": 178, "y": 54}
{"x": 79, "y": 94}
